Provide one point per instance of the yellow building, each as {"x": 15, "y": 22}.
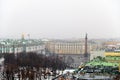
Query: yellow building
{"x": 113, "y": 56}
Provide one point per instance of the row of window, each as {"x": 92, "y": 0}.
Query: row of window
{"x": 20, "y": 49}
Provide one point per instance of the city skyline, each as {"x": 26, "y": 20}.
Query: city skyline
{"x": 64, "y": 19}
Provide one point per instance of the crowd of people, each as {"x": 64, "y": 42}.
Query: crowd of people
{"x": 24, "y": 73}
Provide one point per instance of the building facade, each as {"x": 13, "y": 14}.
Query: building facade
{"x": 20, "y": 45}
{"x": 67, "y": 47}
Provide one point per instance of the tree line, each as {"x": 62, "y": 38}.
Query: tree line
{"x": 31, "y": 65}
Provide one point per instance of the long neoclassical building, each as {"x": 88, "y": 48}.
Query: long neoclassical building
{"x": 67, "y": 47}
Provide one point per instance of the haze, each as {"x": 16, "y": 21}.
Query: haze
{"x": 60, "y": 18}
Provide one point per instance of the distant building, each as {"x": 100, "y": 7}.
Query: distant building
{"x": 21, "y": 45}
{"x": 67, "y": 47}
{"x": 96, "y": 53}
{"x": 112, "y": 54}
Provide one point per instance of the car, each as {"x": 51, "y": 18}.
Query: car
{"x": 68, "y": 71}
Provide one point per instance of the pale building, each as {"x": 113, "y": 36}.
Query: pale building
{"x": 67, "y": 47}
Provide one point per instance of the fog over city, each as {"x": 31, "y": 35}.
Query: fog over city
{"x": 60, "y": 18}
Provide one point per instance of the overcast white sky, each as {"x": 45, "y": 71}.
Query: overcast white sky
{"x": 60, "y": 18}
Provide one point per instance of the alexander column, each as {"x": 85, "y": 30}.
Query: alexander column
{"x": 86, "y": 52}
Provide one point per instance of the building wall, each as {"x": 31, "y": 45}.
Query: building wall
{"x": 21, "y": 48}
{"x": 67, "y": 47}
{"x": 96, "y": 53}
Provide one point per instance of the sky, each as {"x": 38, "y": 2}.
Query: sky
{"x": 60, "y": 19}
